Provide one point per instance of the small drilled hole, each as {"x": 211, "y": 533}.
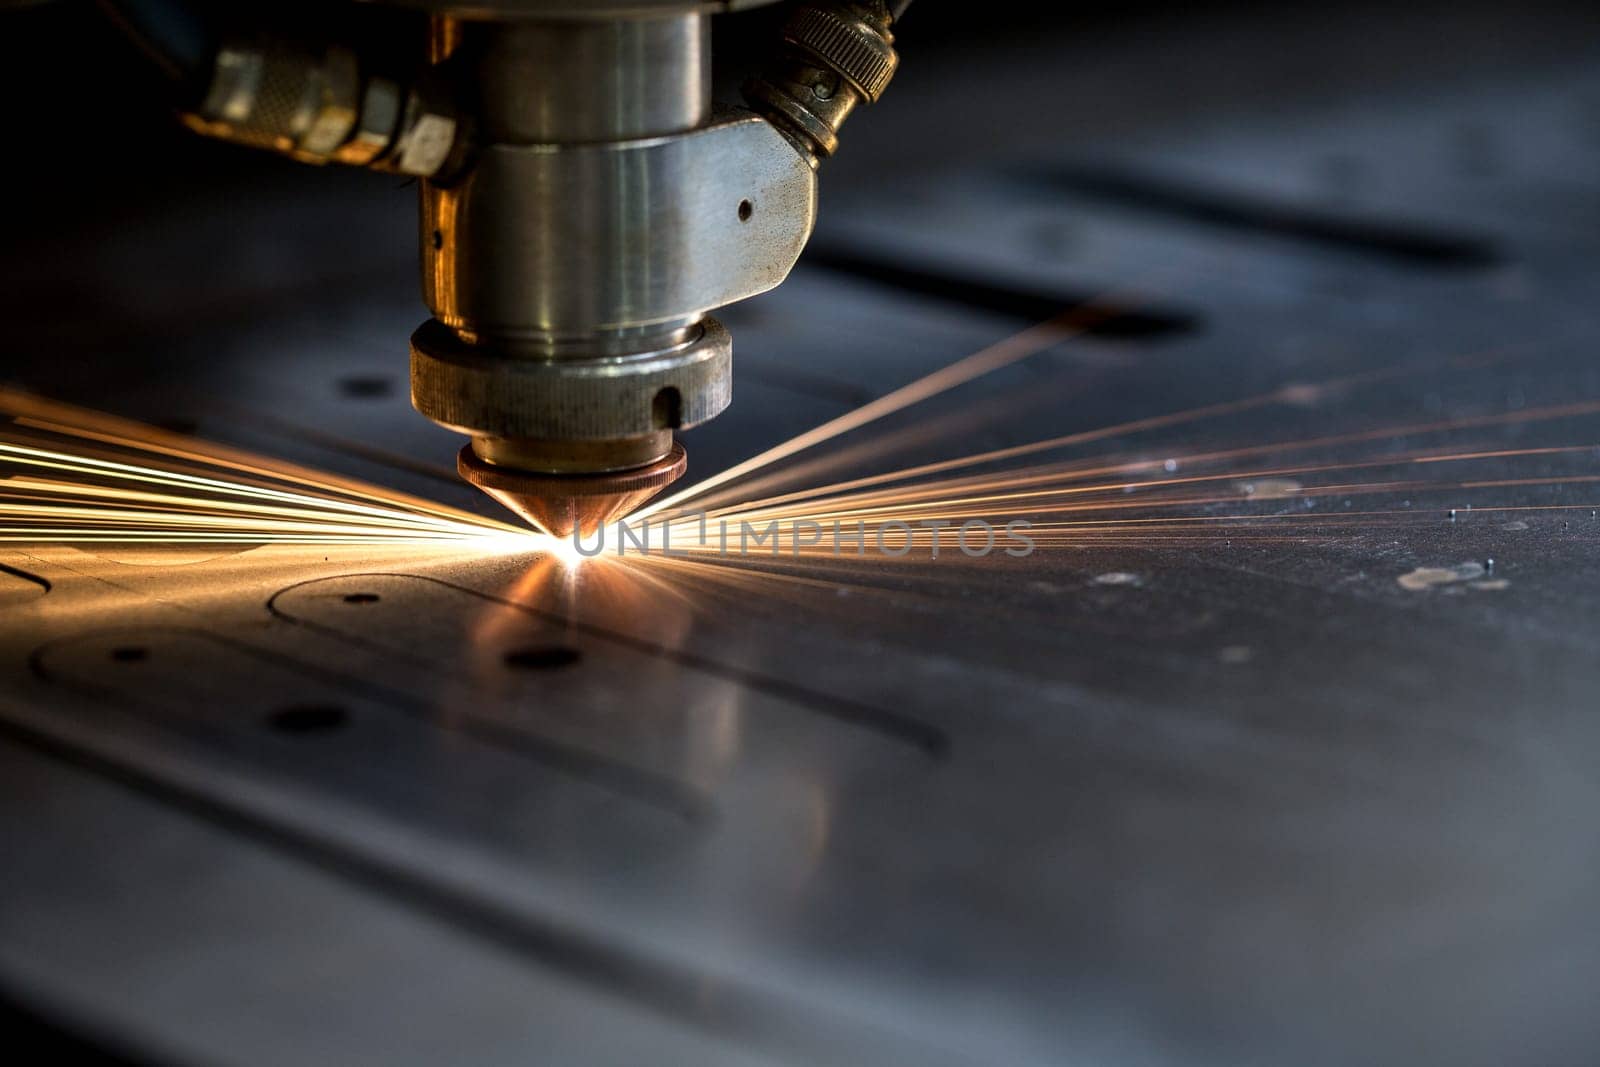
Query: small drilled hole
{"x": 438, "y": 240}
{"x": 746, "y": 209}
{"x": 361, "y": 598}
{"x": 666, "y": 409}
{"x": 543, "y": 657}
{"x": 309, "y": 719}
{"x": 130, "y": 654}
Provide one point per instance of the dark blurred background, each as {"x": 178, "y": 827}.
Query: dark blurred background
{"x": 90, "y": 134}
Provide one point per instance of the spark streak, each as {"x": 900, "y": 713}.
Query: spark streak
{"x": 72, "y": 476}
{"x": 1013, "y": 349}
{"x": 76, "y": 477}
{"x": 1111, "y": 498}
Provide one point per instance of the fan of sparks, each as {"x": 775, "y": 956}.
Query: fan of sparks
{"x": 1119, "y": 484}
{"x": 1170, "y": 478}
{"x": 71, "y": 476}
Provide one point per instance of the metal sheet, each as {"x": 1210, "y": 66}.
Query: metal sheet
{"x": 1230, "y": 800}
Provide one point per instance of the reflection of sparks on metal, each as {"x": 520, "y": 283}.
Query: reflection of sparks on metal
{"x": 77, "y": 477}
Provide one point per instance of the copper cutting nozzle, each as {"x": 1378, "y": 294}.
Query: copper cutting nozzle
{"x": 560, "y": 504}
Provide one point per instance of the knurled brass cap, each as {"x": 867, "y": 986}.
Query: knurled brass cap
{"x": 861, "y": 53}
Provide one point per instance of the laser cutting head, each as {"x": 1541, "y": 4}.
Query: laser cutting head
{"x": 608, "y": 208}
{"x": 584, "y": 208}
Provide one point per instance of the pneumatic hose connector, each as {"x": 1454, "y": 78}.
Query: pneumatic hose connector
{"x": 836, "y": 55}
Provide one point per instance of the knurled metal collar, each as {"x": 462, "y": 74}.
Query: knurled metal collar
{"x": 859, "y": 52}
{"x": 485, "y": 391}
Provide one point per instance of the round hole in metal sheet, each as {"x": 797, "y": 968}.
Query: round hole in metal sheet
{"x": 130, "y": 654}
{"x": 366, "y": 386}
{"x": 362, "y": 598}
{"x": 309, "y": 719}
{"x": 543, "y": 657}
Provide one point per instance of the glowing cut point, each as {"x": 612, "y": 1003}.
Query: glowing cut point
{"x": 562, "y": 548}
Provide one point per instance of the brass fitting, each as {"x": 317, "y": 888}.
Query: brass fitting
{"x": 836, "y": 54}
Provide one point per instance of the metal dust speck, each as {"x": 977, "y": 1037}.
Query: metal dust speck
{"x": 1269, "y": 488}
{"x": 1118, "y": 578}
{"x": 1468, "y": 575}
{"x": 1236, "y": 654}
{"x": 1514, "y": 525}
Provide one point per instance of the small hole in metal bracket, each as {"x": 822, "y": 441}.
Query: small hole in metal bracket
{"x": 361, "y": 598}
{"x": 130, "y": 654}
{"x": 666, "y": 409}
{"x": 543, "y": 657}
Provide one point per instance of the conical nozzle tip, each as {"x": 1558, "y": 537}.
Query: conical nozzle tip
{"x": 564, "y": 504}
{"x": 562, "y": 515}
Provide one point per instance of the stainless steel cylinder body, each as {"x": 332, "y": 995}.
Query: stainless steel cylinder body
{"x": 606, "y": 209}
